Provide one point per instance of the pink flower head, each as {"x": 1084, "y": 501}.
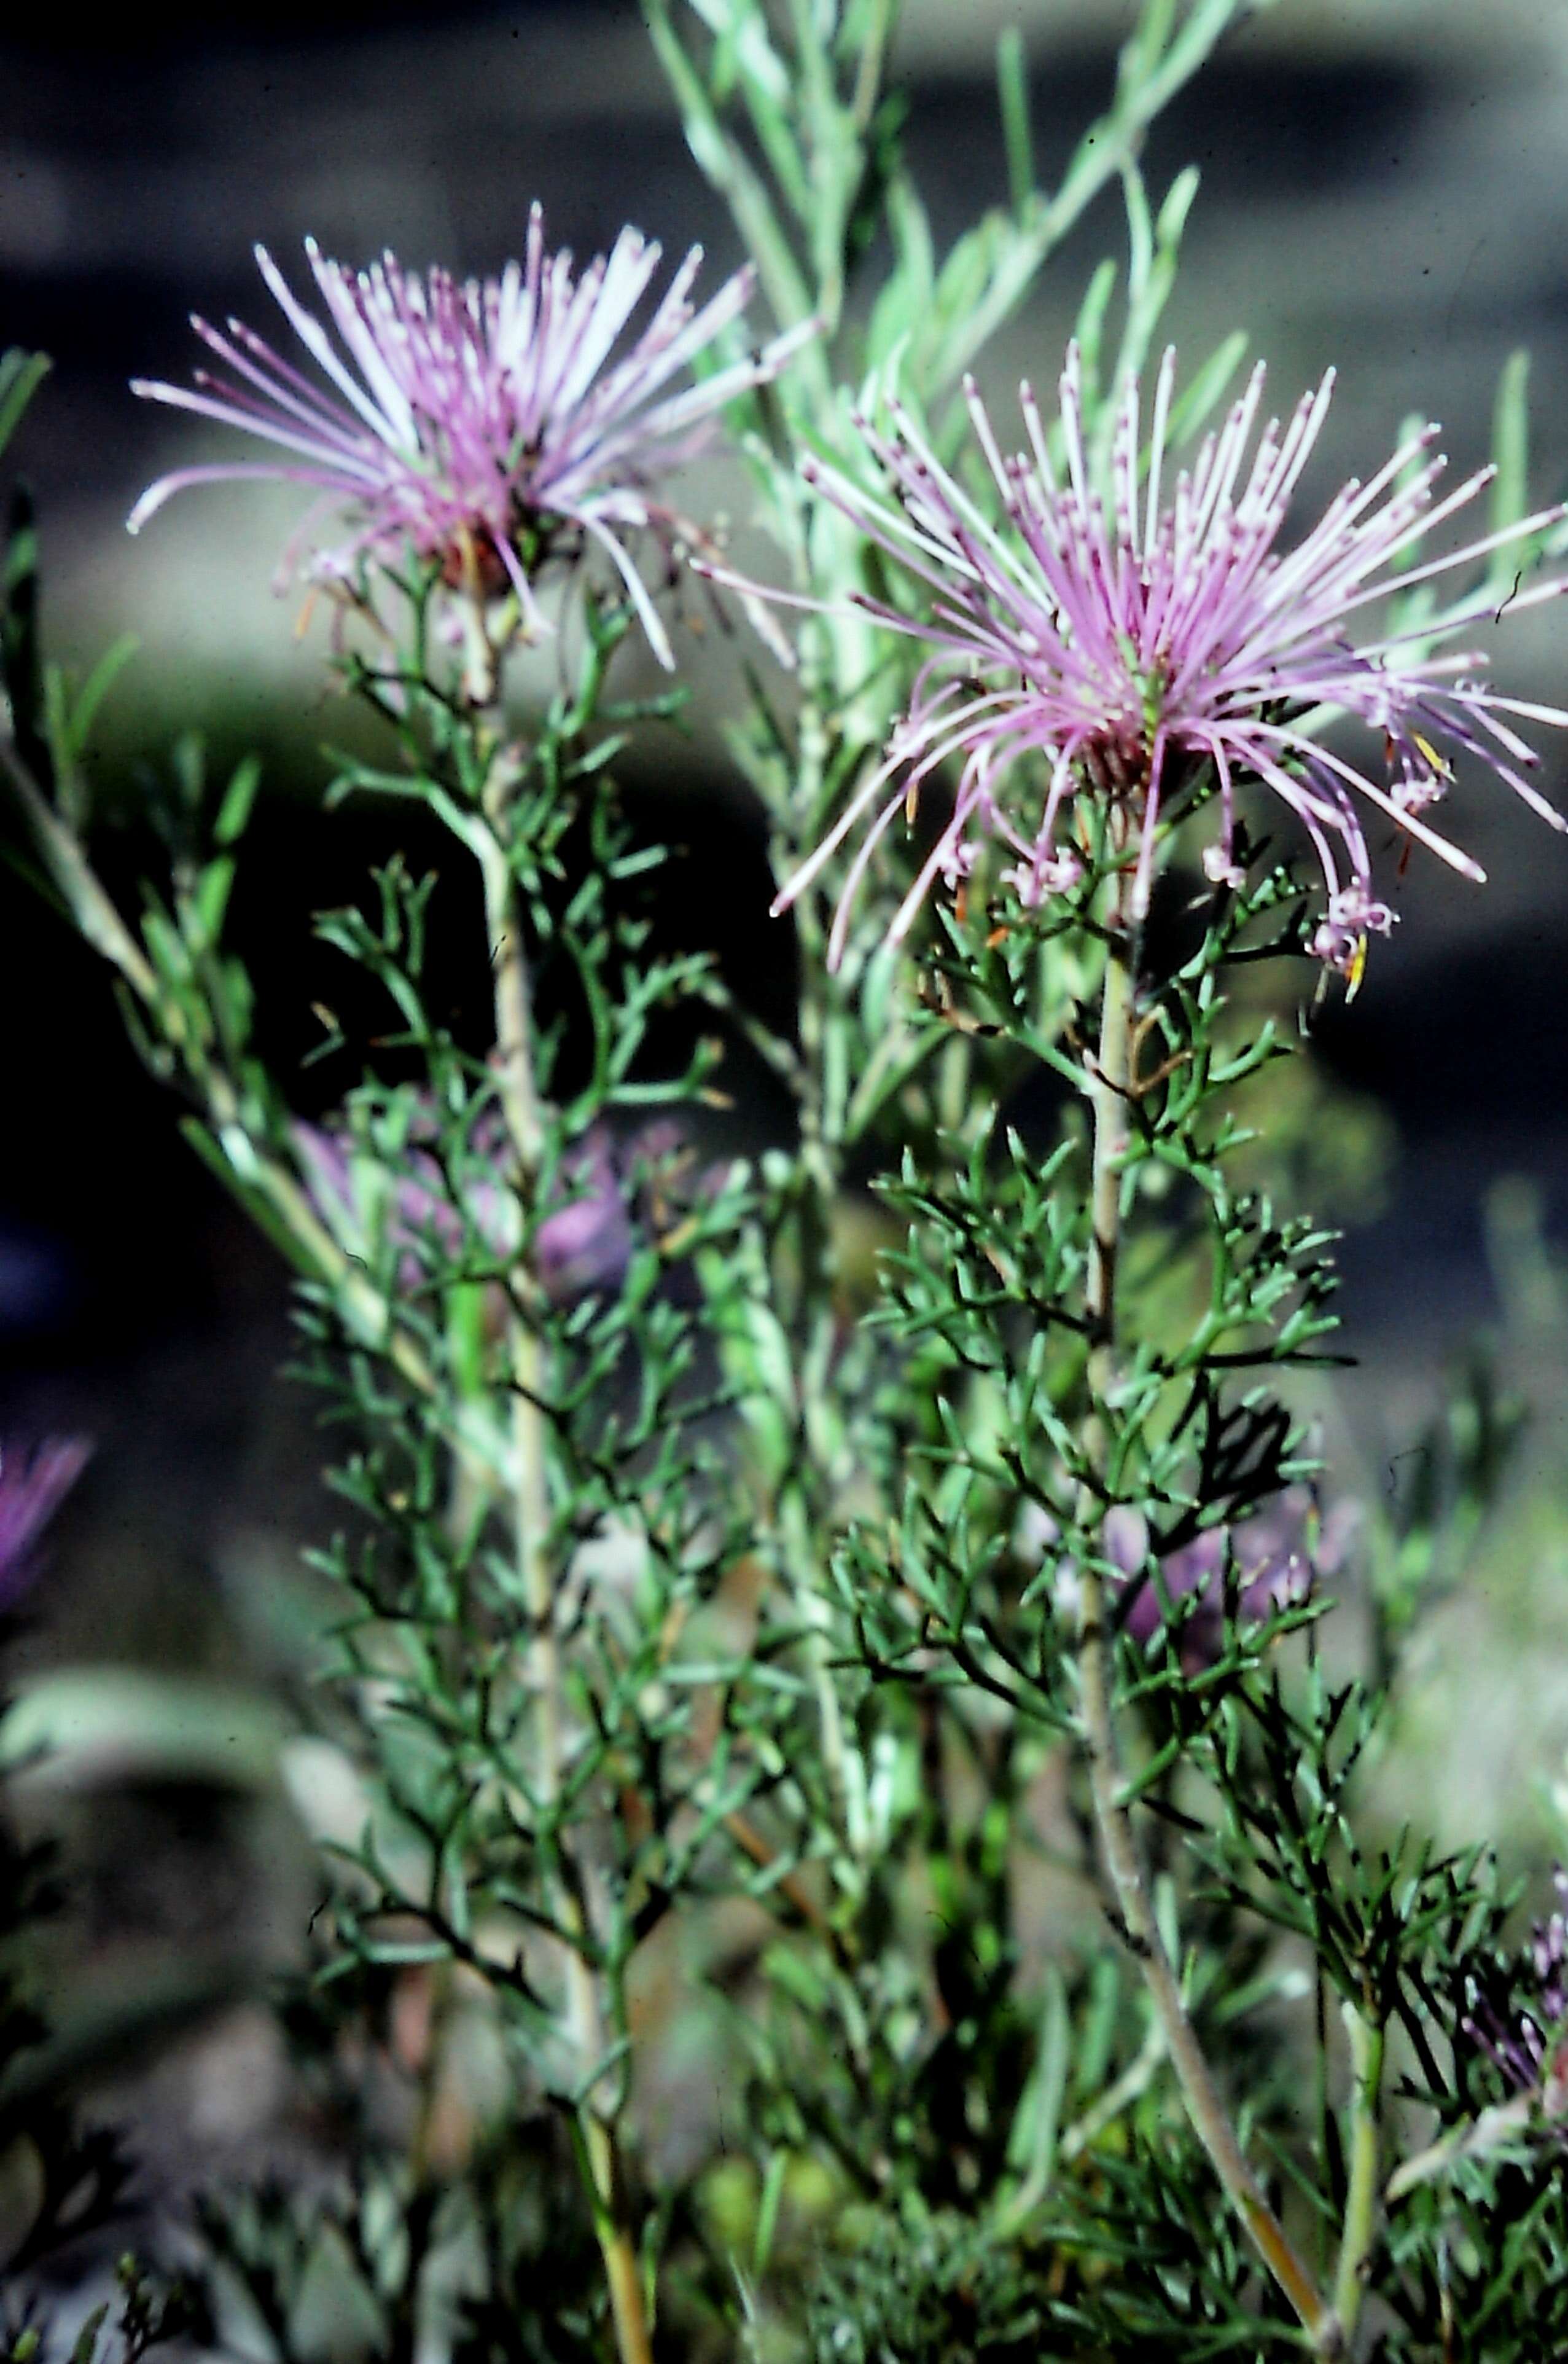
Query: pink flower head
{"x": 608, "y": 1197}
{"x": 32, "y": 1487}
{"x": 479, "y": 423}
{"x": 1085, "y": 649}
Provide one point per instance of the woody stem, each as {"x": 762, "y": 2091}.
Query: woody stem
{"x": 1110, "y": 1099}
{"x": 597, "y": 2148}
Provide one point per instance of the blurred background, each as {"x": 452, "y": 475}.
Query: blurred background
{"x": 1384, "y": 188}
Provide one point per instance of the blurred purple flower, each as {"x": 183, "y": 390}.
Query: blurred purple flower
{"x": 1265, "y": 1563}
{"x": 480, "y": 422}
{"x": 1528, "y": 2043}
{"x": 1108, "y": 653}
{"x": 403, "y": 1195}
{"x": 601, "y": 1200}
{"x": 33, "y": 1484}
{"x": 583, "y": 1249}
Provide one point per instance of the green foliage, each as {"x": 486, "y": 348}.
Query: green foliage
{"x": 74, "y": 2176}
{"x": 63, "y": 2179}
{"x": 144, "y": 2316}
{"x": 721, "y": 1613}
{"x": 930, "y": 2290}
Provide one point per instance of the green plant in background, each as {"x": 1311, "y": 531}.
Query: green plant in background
{"x": 902, "y": 1693}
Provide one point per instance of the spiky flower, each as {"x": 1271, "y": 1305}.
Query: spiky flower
{"x": 1123, "y": 649}
{"x": 486, "y": 425}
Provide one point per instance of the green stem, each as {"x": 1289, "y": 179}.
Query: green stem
{"x": 532, "y": 1526}
{"x": 868, "y": 71}
{"x": 1110, "y": 1099}
{"x": 821, "y": 1056}
{"x": 71, "y": 874}
{"x": 361, "y": 1306}
{"x": 1361, "y": 2200}
{"x": 721, "y": 162}
{"x": 1113, "y": 143}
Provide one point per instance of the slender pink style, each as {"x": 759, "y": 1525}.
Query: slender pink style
{"x": 1086, "y": 647}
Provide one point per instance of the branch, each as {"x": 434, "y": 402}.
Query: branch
{"x": 1206, "y": 2106}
